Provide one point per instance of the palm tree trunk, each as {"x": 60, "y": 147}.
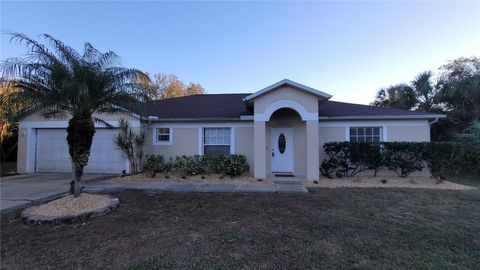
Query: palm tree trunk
{"x": 79, "y": 137}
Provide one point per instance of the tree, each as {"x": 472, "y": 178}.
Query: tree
{"x": 396, "y": 96}
{"x": 459, "y": 93}
{"x": 165, "y": 86}
{"x": 10, "y": 109}
{"x": 424, "y": 91}
{"x": 59, "y": 80}
{"x": 131, "y": 144}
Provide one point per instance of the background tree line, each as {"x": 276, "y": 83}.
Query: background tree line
{"x": 454, "y": 90}
{"x": 163, "y": 86}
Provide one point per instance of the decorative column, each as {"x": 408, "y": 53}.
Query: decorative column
{"x": 313, "y": 151}
{"x": 260, "y": 158}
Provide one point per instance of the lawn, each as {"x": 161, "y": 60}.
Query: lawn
{"x": 328, "y": 228}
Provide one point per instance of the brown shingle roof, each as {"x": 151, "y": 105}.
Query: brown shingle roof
{"x": 199, "y": 106}
{"x": 336, "y": 108}
{"x": 233, "y": 106}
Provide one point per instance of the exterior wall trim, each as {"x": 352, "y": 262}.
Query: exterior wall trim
{"x": 418, "y": 123}
{"x": 64, "y": 124}
{"x": 291, "y": 83}
{"x": 285, "y": 103}
{"x": 374, "y": 117}
{"x": 154, "y": 137}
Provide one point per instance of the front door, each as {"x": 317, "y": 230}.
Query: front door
{"x": 282, "y": 150}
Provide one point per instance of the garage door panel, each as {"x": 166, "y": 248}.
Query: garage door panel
{"x": 52, "y": 152}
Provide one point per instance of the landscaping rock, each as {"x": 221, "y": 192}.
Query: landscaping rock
{"x": 70, "y": 209}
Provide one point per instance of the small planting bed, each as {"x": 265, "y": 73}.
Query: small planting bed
{"x": 246, "y": 178}
{"x": 70, "y": 208}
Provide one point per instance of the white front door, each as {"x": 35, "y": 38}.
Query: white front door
{"x": 282, "y": 150}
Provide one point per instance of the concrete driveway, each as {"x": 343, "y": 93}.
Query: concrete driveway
{"x": 20, "y": 190}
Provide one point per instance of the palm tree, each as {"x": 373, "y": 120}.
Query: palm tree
{"x": 59, "y": 81}
{"x": 425, "y": 91}
{"x": 396, "y": 96}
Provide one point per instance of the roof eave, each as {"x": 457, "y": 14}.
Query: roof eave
{"x": 382, "y": 117}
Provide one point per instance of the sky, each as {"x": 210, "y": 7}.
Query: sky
{"x": 347, "y": 49}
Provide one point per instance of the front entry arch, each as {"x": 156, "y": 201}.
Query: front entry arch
{"x": 290, "y": 104}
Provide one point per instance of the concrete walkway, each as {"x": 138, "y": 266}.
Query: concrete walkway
{"x": 276, "y": 187}
{"x": 21, "y": 190}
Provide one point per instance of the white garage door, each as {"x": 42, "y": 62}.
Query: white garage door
{"x": 52, "y": 152}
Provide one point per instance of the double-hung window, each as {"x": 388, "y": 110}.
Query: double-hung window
{"x": 365, "y": 134}
{"x": 216, "y": 141}
{"x": 163, "y": 136}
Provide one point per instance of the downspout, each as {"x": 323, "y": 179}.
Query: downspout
{"x": 433, "y": 122}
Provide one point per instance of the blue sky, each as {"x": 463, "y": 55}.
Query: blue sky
{"x": 347, "y": 49}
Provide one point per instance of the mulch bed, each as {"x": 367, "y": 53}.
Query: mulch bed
{"x": 328, "y": 228}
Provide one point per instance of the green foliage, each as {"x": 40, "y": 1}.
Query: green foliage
{"x": 131, "y": 144}
{"x": 233, "y": 165}
{"x": 190, "y": 165}
{"x": 370, "y": 156}
{"x": 455, "y": 93}
{"x": 157, "y": 163}
{"x": 442, "y": 158}
{"x": 404, "y": 157}
{"x": 343, "y": 157}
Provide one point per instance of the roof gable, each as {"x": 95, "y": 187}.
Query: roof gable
{"x": 291, "y": 83}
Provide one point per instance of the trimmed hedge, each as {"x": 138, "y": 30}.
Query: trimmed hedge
{"x": 346, "y": 159}
{"x": 232, "y": 165}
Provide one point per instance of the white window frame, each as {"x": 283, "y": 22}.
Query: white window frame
{"x": 155, "y": 136}
{"x": 201, "y": 137}
{"x": 380, "y": 135}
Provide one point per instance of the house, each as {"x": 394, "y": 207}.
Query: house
{"x": 280, "y": 129}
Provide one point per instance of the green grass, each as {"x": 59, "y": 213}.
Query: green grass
{"x": 329, "y": 228}
{"x": 464, "y": 180}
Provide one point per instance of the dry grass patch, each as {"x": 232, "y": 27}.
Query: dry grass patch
{"x": 388, "y": 182}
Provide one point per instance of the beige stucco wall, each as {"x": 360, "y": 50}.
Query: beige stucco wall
{"x": 329, "y": 134}
{"x": 308, "y": 101}
{"x": 184, "y": 142}
{"x": 22, "y": 150}
{"x": 244, "y": 144}
{"x": 408, "y": 134}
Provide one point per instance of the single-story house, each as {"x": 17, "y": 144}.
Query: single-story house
{"x": 280, "y": 129}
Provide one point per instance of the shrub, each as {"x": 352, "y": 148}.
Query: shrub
{"x": 232, "y": 165}
{"x": 371, "y": 156}
{"x": 343, "y": 159}
{"x": 157, "y": 163}
{"x": 236, "y": 165}
{"x": 443, "y": 158}
{"x": 190, "y": 165}
{"x": 404, "y": 157}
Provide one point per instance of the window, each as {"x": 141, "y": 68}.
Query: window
{"x": 365, "y": 134}
{"x": 164, "y": 136}
{"x": 216, "y": 141}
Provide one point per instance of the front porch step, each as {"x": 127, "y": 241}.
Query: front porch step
{"x": 290, "y": 187}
